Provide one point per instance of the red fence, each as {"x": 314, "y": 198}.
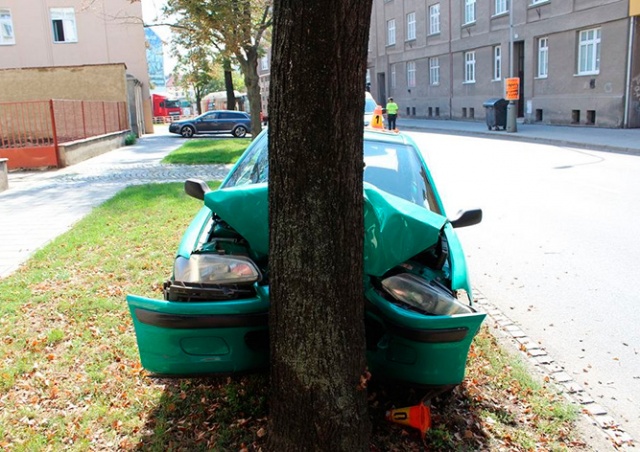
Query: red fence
{"x": 31, "y": 131}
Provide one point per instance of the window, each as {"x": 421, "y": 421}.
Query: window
{"x": 411, "y": 74}
{"x": 470, "y": 67}
{"x": 497, "y": 63}
{"x": 6, "y": 28}
{"x": 434, "y": 19}
{"x": 391, "y": 32}
{"x": 501, "y": 7}
{"x": 411, "y": 26}
{"x": 63, "y": 21}
{"x": 543, "y": 57}
{"x": 393, "y": 76}
{"x": 589, "y": 52}
{"x": 469, "y": 11}
{"x": 434, "y": 71}
{"x": 264, "y": 63}
{"x": 535, "y": 2}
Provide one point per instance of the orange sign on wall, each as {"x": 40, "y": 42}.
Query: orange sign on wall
{"x": 512, "y": 88}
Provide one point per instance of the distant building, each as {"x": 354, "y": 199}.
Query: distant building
{"x": 155, "y": 60}
{"x": 95, "y": 37}
{"x": 577, "y": 61}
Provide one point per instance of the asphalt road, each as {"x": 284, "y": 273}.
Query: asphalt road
{"x": 556, "y": 252}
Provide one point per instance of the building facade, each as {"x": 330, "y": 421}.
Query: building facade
{"x": 75, "y": 33}
{"x": 576, "y": 59}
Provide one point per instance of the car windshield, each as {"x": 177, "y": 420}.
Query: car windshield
{"x": 171, "y": 103}
{"x": 391, "y": 167}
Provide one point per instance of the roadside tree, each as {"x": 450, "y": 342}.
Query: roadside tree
{"x": 235, "y": 28}
{"x": 318, "y": 365}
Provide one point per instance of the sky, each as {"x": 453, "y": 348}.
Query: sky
{"x": 152, "y": 13}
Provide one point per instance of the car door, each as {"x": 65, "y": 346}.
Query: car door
{"x": 227, "y": 121}
{"x": 207, "y": 123}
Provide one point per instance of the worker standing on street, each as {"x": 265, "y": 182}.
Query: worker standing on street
{"x": 392, "y": 113}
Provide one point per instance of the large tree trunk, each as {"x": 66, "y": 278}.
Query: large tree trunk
{"x": 316, "y": 223}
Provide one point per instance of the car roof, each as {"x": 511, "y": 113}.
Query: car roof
{"x": 226, "y": 111}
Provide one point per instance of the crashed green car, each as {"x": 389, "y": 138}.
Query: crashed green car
{"x": 420, "y": 320}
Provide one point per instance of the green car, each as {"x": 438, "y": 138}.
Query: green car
{"x": 419, "y": 315}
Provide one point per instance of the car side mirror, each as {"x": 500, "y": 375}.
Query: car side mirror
{"x": 196, "y": 188}
{"x": 466, "y": 218}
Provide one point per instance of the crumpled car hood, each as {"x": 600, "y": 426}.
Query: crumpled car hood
{"x": 395, "y": 229}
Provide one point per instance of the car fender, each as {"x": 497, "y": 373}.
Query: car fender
{"x": 459, "y": 272}
{"x": 195, "y": 230}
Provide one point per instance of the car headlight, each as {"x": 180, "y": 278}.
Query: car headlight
{"x": 422, "y": 295}
{"x": 215, "y": 269}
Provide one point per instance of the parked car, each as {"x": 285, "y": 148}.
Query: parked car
{"x": 420, "y": 319}
{"x": 237, "y": 123}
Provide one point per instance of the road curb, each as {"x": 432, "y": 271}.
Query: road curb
{"x": 535, "y": 354}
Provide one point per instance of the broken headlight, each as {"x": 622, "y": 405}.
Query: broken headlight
{"x": 215, "y": 269}
{"x": 425, "y": 296}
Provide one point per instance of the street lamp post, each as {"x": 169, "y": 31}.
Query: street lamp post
{"x": 511, "y": 108}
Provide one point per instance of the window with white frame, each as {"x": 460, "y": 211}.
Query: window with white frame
{"x": 264, "y": 63}
{"x": 6, "y": 28}
{"x": 434, "y": 19}
{"x": 501, "y": 7}
{"x": 411, "y": 26}
{"x": 589, "y": 52}
{"x": 434, "y": 71}
{"x": 497, "y": 63}
{"x": 469, "y": 11}
{"x": 392, "y": 71}
{"x": 543, "y": 57}
{"x": 470, "y": 67}
{"x": 63, "y": 21}
{"x": 391, "y": 32}
{"x": 411, "y": 74}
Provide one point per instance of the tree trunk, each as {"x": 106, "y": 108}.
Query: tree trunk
{"x": 228, "y": 84}
{"x": 249, "y": 63}
{"x": 316, "y": 226}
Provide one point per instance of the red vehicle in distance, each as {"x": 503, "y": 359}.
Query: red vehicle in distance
{"x": 163, "y": 106}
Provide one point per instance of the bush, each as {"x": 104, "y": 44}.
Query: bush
{"x": 130, "y": 139}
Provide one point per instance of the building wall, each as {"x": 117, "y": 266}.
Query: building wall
{"x": 599, "y": 98}
{"x": 108, "y": 32}
{"x": 98, "y": 82}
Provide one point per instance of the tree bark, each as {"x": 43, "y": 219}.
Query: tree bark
{"x": 249, "y": 63}
{"x": 228, "y": 84}
{"x": 316, "y": 226}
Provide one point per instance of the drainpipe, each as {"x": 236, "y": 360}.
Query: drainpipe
{"x": 450, "y": 68}
{"x": 627, "y": 88}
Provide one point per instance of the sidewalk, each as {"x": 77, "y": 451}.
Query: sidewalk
{"x": 39, "y": 206}
{"x": 613, "y": 140}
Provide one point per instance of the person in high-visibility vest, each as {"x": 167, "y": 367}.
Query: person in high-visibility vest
{"x": 392, "y": 113}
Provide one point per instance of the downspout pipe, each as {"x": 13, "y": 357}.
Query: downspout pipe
{"x": 627, "y": 88}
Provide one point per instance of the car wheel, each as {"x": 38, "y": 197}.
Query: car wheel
{"x": 187, "y": 131}
{"x": 240, "y": 132}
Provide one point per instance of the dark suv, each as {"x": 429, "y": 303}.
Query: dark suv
{"x": 237, "y": 123}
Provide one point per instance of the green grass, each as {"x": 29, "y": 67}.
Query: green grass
{"x": 208, "y": 151}
{"x": 70, "y": 376}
